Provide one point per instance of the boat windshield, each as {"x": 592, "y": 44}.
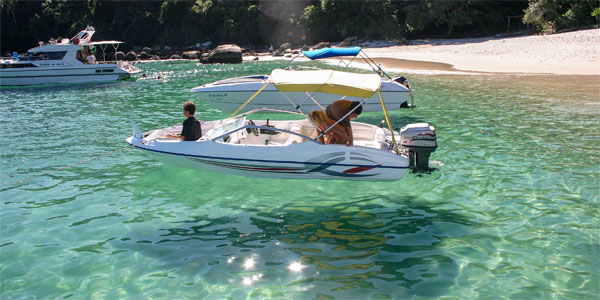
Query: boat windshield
{"x": 230, "y": 125}
{"x": 47, "y": 55}
{"x": 245, "y": 79}
{"x": 17, "y": 65}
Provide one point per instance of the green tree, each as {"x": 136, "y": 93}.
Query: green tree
{"x": 552, "y": 15}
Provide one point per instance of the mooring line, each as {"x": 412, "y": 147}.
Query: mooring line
{"x": 70, "y": 166}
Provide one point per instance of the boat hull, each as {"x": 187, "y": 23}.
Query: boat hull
{"x": 308, "y": 160}
{"x": 229, "y": 97}
{"x": 36, "y": 76}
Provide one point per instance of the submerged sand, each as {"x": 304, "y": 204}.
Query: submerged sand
{"x": 571, "y": 53}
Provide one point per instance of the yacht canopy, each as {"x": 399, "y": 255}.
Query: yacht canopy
{"x": 326, "y": 81}
{"x": 331, "y": 52}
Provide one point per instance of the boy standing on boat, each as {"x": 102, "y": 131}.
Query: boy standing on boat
{"x": 191, "y": 130}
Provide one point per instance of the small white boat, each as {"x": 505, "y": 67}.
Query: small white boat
{"x": 226, "y": 95}
{"x": 63, "y": 62}
{"x": 291, "y": 148}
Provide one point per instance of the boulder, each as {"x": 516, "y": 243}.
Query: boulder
{"x": 191, "y": 55}
{"x": 145, "y": 55}
{"x": 206, "y": 44}
{"x": 175, "y": 56}
{"x": 284, "y": 47}
{"x": 147, "y": 50}
{"x": 131, "y": 56}
{"x": 349, "y": 42}
{"x": 225, "y": 54}
{"x": 321, "y": 45}
{"x": 305, "y": 48}
{"x": 120, "y": 55}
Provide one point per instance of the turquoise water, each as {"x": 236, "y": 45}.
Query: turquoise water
{"x": 510, "y": 212}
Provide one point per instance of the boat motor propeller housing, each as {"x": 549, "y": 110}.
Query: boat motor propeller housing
{"x": 418, "y": 141}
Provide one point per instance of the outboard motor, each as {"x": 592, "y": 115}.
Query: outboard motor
{"x": 418, "y": 141}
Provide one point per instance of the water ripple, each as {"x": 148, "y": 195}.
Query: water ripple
{"x": 511, "y": 210}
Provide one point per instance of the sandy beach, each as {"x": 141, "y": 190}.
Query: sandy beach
{"x": 571, "y": 53}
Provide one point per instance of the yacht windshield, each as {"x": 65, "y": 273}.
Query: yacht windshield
{"x": 49, "y": 55}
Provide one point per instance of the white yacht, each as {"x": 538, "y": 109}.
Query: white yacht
{"x": 228, "y": 94}
{"x": 68, "y": 61}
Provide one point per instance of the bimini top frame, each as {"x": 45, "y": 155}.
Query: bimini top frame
{"x": 343, "y": 52}
{"x": 104, "y": 44}
{"x": 326, "y": 81}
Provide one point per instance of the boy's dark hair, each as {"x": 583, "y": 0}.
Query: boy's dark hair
{"x": 190, "y": 107}
{"x": 358, "y": 110}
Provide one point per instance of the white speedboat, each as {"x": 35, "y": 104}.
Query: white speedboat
{"x": 292, "y": 148}
{"x": 228, "y": 94}
{"x": 63, "y": 62}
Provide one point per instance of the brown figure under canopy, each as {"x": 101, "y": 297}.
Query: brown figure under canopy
{"x": 341, "y": 133}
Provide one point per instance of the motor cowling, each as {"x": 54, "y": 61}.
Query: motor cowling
{"x": 418, "y": 141}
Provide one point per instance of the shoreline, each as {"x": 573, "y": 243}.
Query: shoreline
{"x": 571, "y": 53}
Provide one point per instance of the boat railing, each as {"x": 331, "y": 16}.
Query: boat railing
{"x": 268, "y": 109}
{"x": 264, "y": 128}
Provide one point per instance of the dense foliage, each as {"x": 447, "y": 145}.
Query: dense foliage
{"x": 179, "y": 23}
{"x": 552, "y": 15}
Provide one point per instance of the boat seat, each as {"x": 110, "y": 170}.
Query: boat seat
{"x": 292, "y": 138}
{"x": 377, "y": 142}
{"x": 237, "y": 137}
{"x": 369, "y": 144}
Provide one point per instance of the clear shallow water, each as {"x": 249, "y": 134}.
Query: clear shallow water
{"x": 511, "y": 211}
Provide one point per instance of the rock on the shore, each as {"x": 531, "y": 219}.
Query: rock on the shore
{"x": 349, "y": 42}
{"x": 175, "y": 56}
{"x": 191, "y": 55}
{"x": 145, "y": 55}
{"x": 120, "y": 55}
{"x": 131, "y": 56}
{"x": 321, "y": 45}
{"x": 147, "y": 50}
{"x": 226, "y": 54}
{"x": 284, "y": 47}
